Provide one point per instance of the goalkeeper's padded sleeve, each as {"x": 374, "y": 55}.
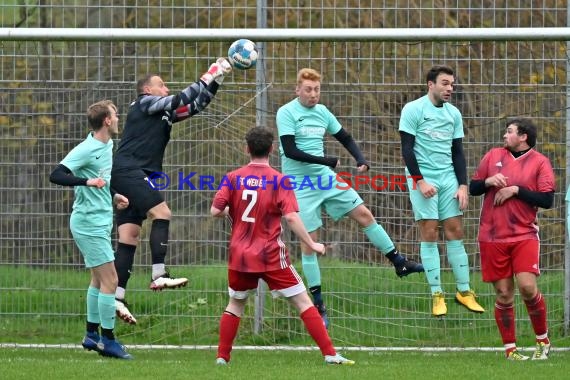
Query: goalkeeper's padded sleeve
{"x": 61, "y": 175}
{"x": 293, "y": 152}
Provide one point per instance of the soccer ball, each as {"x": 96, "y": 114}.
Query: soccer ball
{"x": 243, "y": 54}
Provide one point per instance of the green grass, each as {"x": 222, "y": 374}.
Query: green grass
{"x": 369, "y": 306}
{"x": 275, "y": 365}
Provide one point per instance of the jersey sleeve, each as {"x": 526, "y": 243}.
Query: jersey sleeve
{"x": 409, "y": 120}
{"x": 285, "y": 122}
{"x": 76, "y": 159}
{"x": 286, "y": 200}
{"x": 546, "y": 182}
{"x": 333, "y": 125}
{"x": 458, "y": 124}
{"x": 222, "y": 196}
{"x": 482, "y": 171}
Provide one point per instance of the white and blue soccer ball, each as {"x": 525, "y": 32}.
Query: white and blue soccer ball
{"x": 243, "y": 54}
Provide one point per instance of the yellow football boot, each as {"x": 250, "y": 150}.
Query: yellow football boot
{"x": 439, "y": 309}
{"x": 467, "y": 299}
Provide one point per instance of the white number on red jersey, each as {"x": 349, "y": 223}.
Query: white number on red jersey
{"x": 252, "y": 194}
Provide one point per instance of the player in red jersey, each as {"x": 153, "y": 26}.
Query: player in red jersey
{"x": 254, "y": 198}
{"x": 516, "y": 181}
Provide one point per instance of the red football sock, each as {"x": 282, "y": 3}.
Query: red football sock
{"x": 316, "y": 328}
{"x": 229, "y": 325}
{"x": 505, "y": 318}
{"x": 536, "y": 308}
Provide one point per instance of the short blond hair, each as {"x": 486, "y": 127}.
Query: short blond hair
{"x": 308, "y": 74}
{"x": 97, "y": 112}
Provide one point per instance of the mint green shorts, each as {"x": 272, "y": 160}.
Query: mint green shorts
{"x": 443, "y": 205}
{"x": 337, "y": 199}
{"x": 95, "y": 246}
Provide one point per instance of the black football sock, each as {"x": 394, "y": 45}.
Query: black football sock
{"x": 124, "y": 258}
{"x": 159, "y": 240}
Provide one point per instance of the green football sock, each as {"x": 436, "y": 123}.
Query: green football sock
{"x": 107, "y": 310}
{"x": 432, "y": 266}
{"x": 459, "y": 262}
{"x": 92, "y": 308}
{"x": 379, "y": 238}
{"x": 311, "y": 269}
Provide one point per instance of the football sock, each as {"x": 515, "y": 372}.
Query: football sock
{"x": 92, "y": 327}
{"x": 457, "y": 258}
{"x": 158, "y": 240}
{"x": 120, "y": 293}
{"x": 316, "y": 293}
{"x": 158, "y": 270}
{"x": 316, "y": 328}
{"x": 107, "y": 333}
{"x": 430, "y": 260}
{"x": 124, "y": 258}
{"x": 107, "y": 310}
{"x": 505, "y": 319}
{"x": 229, "y": 324}
{"x": 395, "y": 257}
{"x": 510, "y": 347}
{"x": 536, "y": 309}
{"x": 379, "y": 238}
{"x": 92, "y": 305}
{"x": 311, "y": 269}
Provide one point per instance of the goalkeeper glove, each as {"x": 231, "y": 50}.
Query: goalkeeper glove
{"x": 217, "y": 71}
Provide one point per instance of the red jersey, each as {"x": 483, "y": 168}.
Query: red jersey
{"x": 257, "y": 196}
{"x": 514, "y": 220}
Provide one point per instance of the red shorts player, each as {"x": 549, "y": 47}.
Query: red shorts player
{"x": 255, "y": 197}
{"x": 516, "y": 180}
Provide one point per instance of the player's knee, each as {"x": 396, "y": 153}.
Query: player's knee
{"x": 505, "y": 294}
{"x": 528, "y": 291}
{"x": 363, "y": 216}
{"x": 160, "y": 211}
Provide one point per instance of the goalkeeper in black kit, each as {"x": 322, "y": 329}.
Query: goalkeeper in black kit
{"x": 140, "y": 154}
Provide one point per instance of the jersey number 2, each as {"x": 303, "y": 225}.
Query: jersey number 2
{"x": 251, "y": 196}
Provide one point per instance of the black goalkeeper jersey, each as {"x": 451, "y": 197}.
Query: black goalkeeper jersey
{"x": 149, "y": 122}
{"x": 144, "y": 139}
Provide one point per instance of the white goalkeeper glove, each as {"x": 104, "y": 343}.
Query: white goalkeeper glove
{"x": 217, "y": 71}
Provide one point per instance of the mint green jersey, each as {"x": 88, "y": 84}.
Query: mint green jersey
{"x": 434, "y": 129}
{"x": 309, "y": 126}
{"x": 91, "y": 159}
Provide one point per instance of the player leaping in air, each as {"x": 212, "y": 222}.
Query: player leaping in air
{"x": 302, "y": 125}
{"x": 140, "y": 153}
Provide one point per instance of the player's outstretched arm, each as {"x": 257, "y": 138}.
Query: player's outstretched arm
{"x": 193, "y": 98}
{"x": 298, "y": 228}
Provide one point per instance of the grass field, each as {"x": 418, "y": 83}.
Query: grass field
{"x": 49, "y": 363}
{"x": 370, "y": 306}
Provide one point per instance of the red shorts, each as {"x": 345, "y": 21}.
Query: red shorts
{"x": 503, "y": 260}
{"x": 283, "y": 282}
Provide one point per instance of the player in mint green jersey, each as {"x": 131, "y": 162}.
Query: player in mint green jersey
{"x": 431, "y": 131}
{"x": 302, "y": 125}
{"x": 87, "y": 168}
